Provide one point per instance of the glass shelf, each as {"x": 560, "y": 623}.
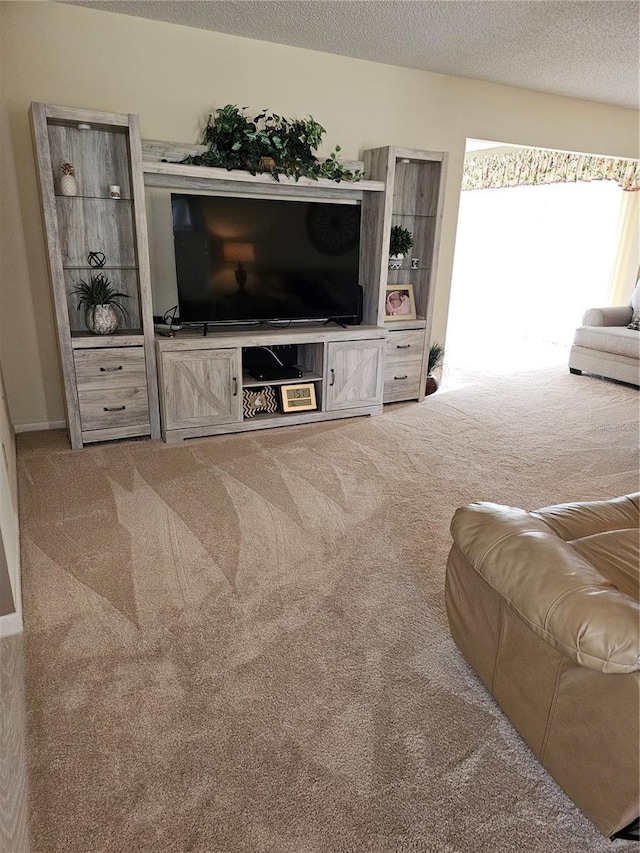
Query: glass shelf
{"x": 99, "y": 269}
{"x": 404, "y": 269}
{"x": 413, "y": 215}
{"x": 95, "y": 198}
{"x": 118, "y": 333}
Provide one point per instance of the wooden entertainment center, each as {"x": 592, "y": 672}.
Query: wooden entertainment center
{"x": 136, "y": 383}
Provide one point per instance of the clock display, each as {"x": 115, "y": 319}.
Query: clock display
{"x": 335, "y": 228}
{"x": 298, "y": 397}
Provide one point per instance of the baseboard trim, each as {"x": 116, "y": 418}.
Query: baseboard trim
{"x": 10, "y": 624}
{"x": 42, "y": 425}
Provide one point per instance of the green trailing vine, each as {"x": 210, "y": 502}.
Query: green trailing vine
{"x": 269, "y": 143}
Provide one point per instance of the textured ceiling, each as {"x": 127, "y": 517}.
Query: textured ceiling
{"x": 588, "y": 49}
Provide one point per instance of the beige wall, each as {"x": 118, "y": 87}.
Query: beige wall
{"x": 174, "y": 76}
{"x": 10, "y": 599}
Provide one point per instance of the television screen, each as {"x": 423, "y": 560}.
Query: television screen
{"x": 254, "y": 259}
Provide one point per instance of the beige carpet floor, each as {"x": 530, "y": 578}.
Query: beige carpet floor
{"x": 239, "y": 644}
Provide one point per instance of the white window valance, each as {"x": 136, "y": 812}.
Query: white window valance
{"x": 531, "y": 167}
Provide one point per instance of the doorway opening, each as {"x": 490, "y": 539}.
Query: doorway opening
{"x": 529, "y": 261}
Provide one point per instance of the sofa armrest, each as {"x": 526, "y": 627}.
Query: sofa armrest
{"x": 612, "y": 316}
{"x": 556, "y": 592}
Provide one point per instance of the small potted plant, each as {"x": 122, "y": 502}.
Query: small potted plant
{"x": 436, "y": 354}
{"x": 399, "y": 244}
{"x": 101, "y": 303}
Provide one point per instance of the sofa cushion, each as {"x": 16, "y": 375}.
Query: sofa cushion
{"x": 614, "y": 339}
{"x": 615, "y": 553}
{"x": 634, "y": 302}
{"x": 573, "y": 521}
{"x": 605, "y": 533}
{"x": 557, "y": 591}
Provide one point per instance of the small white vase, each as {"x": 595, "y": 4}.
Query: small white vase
{"x": 101, "y": 320}
{"x": 395, "y": 262}
{"x": 68, "y": 185}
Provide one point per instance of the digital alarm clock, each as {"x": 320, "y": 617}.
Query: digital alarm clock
{"x": 298, "y": 398}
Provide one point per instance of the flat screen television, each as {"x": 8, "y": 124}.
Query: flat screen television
{"x": 250, "y": 260}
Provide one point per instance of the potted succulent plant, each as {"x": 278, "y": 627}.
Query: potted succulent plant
{"x": 399, "y": 244}
{"x": 101, "y": 303}
{"x": 436, "y": 354}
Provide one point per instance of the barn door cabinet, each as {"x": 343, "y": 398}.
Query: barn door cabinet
{"x": 355, "y": 372}
{"x": 201, "y": 388}
{"x": 202, "y": 380}
{"x": 110, "y": 381}
{"x": 413, "y": 199}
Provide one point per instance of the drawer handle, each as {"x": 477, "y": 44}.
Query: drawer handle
{"x": 403, "y": 346}
{"x": 333, "y": 378}
{"x": 114, "y": 408}
{"x": 401, "y": 377}
{"x": 235, "y": 386}
{"x": 110, "y": 369}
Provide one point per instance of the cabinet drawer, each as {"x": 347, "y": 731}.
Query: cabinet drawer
{"x": 405, "y": 346}
{"x": 402, "y": 380}
{"x": 113, "y": 367}
{"x": 117, "y": 407}
{"x": 403, "y": 364}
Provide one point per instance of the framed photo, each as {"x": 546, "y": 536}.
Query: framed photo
{"x": 255, "y": 400}
{"x": 298, "y": 398}
{"x": 399, "y": 303}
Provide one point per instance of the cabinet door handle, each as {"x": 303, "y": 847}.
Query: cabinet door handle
{"x": 333, "y": 378}
{"x": 114, "y": 408}
{"x": 403, "y": 346}
{"x": 401, "y": 377}
{"x": 110, "y": 369}
{"x": 235, "y": 386}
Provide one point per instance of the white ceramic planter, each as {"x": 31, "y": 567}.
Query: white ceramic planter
{"x": 101, "y": 320}
{"x": 68, "y": 185}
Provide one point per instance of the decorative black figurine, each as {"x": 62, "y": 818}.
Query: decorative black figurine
{"x": 96, "y": 259}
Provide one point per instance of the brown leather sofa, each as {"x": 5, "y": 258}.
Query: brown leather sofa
{"x": 544, "y": 606}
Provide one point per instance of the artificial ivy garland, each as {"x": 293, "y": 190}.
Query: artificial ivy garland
{"x": 269, "y": 143}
